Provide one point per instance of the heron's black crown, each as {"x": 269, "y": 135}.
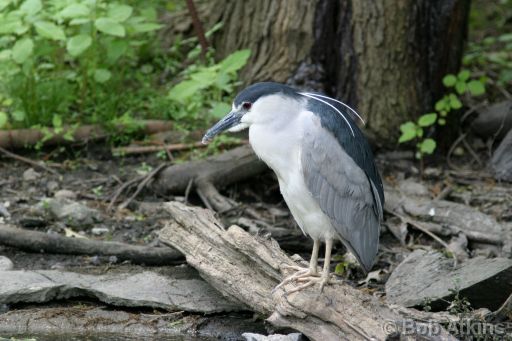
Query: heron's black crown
{"x": 252, "y": 93}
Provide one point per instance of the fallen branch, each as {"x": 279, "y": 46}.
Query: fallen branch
{"x": 28, "y": 161}
{"x": 52, "y": 243}
{"x": 210, "y": 174}
{"x": 246, "y": 269}
{"x": 141, "y": 185}
{"x": 21, "y": 138}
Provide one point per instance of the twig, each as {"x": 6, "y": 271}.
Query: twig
{"x": 198, "y": 27}
{"x": 151, "y": 149}
{"x": 418, "y": 226}
{"x": 29, "y": 161}
{"x": 53, "y": 243}
{"x": 166, "y": 147}
{"x": 142, "y": 184}
{"x": 120, "y": 190}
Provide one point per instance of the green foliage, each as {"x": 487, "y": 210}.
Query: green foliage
{"x": 68, "y": 58}
{"x": 207, "y": 87}
{"x": 457, "y": 85}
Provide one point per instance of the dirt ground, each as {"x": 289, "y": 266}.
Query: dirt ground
{"x": 93, "y": 175}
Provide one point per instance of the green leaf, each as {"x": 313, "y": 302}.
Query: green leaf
{"x": 476, "y": 88}
{"x": 3, "y": 119}
{"x": 119, "y": 13}
{"x": 408, "y": 130}
{"x": 145, "y": 27}
{"x": 109, "y": 26}
{"x": 449, "y": 80}
{"x": 441, "y": 121}
{"x": 116, "y": 49}
{"x": 419, "y": 132}
{"x": 31, "y": 7}
{"x": 234, "y": 61}
{"x": 464, "y": 75}
{"x": 461, "y": 87}
{"x": 102, "y": 75}
{"x": 427, "y": 146}
{"x": 455, "y": 103}
{"x": 78, "y": 44}
{"x": 206, "y": 77}
{"x": 184, "y": 90}
{"x": 12, "y": 24}
{"x": 22, "y": 49}
{"x": 340, "y": 268}
{"x": 441, "y": 104}
{"x": 75, "y": 11}
{"x": 18, "y": 115}
{"x": 57, "y": 121}
{"x": 49, "y": 30}
{"x": 220, "y": 109}
{"x": 505, "y": 37}
{"x": 427, "y": 119}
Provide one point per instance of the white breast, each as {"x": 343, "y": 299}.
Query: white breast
{"x": 280, "y": 149}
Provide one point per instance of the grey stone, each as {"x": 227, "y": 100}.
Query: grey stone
{"x": 98, "y": 231}
{"x": 3, "y": 211}
{"x": 52, "y": 186}
{"x": 411, "y": 187}
{"x": 71, "y": 212}
{"x": 273, "y": 337}
{"x": 31, "y": 175}
{"x": 5, "y": 264}
{"x": 182, "y": 290}
{"x": 486, "y": 283}
{"x": 65, "y": 194}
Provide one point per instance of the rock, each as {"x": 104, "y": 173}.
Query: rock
{"x": 73, "y": 213}
{"x": 98, "y": 231}
{"x": 411, "y": 187}
{"x": 65, "y": 194}
{"x": 5, "y": 264}
{"x": 51, "y": 186}
{"x": 273, "y": 337}
{"x": 3, "y": 210}
{"x": 31, "y": 175}
{"x": 486, "y": 283}
{"x": 181, "y": 289}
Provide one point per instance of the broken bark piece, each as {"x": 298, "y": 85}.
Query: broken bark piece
{"x": 185, "y": 292}
{"x": 53, "y": 243}
{"x": 452, "y": 218}
{"x": 246, "y": 269}
{"x": 210, "y": 174}
{"x": 422, "y": 276}
{"x": 501, "y": 161}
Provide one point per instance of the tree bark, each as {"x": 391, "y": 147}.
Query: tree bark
{"x": 384, "y": 58}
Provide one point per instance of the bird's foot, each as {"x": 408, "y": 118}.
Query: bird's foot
{"x": 310, "y": 281}
{"x": 298, "y": 275}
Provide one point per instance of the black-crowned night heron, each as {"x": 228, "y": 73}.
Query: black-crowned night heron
{"x": 324, "y": 164}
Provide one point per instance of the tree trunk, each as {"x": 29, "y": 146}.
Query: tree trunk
{"x": 384, "y": 58}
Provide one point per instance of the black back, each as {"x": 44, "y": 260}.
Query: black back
{"x": 356, "y": 146}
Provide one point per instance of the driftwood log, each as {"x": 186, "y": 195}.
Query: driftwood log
{"x": 246, "y": 269}
{"x": 207, "y": 175}
{"x": 53, "y": 243}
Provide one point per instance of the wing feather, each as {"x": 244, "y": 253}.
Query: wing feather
{"x": 344, "y": 193}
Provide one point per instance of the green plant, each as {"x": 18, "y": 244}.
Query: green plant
{"x": 61, "y": 59}
{"x": 457, "y": 86}
{"x": 207, "y": 87}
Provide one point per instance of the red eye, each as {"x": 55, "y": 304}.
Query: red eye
{"x": 246, "y": 105}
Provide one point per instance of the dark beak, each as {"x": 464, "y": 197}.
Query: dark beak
{"x": 230, "y": 120}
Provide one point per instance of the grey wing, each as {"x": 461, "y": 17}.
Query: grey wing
{"x": 344, "y": 193}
